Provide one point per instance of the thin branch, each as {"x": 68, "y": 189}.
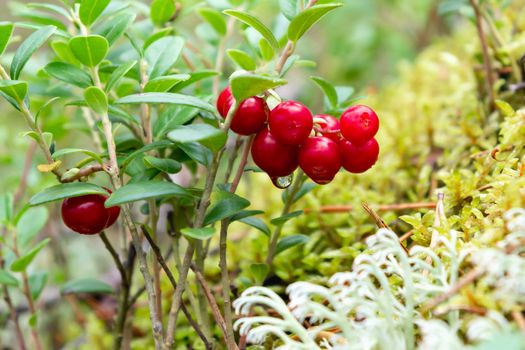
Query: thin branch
{"x": 84, "y": 172}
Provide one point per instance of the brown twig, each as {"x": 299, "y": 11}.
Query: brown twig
{"x": 487, "y": 62}
{"x": 467, "y": 279}
{"x": 331, "y": 209}
{"x": 84, "y": 172}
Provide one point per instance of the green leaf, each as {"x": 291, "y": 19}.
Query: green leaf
{"x": 289, "y": 242}
{"x": 328, "y": 89}
{"x": 288, "y": 8}
{"x": 172, "y": 117}
{"x": 52, "y": 8}
{"x": 305, "y": 188}
{"x": 7, "y": 279}
{"x": 242, "y": 59}
{"x": 166, "y": 165}
{"x": 23, "y": 262}
{"x": 259, "y": 272}
{"x": 306, "y": 19}
{"x": 96, "y": 99}
{"x": 197, "y": 152}
{"x": 165, "y": 83}
{"x": 155, "y": 145}
{"x": 267, "y": 52}
{"x": 90, "y": 10}
{"x": 6, "y": 30}
{"x": 63, "y": 191}
{"x": 255, "y": 24}
{"x": 505, "y": 108}
{"x": 115, "y": 27}
{"x": 198, "y": 233}
{"x": 30, "y": 224}
{"x": 226, "y": 205}
{"x": 245, "y": 85}
{"x": 163, "y": 54}
{"x": 195, "y": 77}
{"x": 161, "y": 11}
{"x": 257, "y": 224}
{"x": 146, "y": 190}
{"x": 205, "y": 134}
{"x": 89, "y": 50}
{"x": 86, "y": 285}
{"x": 118, "y": 74}
{"x": 166, "y": 98}
{"x": 245, "y": 213}
{"x": 6, "y": 207}
{"x": 281, "y": 220}
{"x": 63, "y": 52}
{"x": 214, "y": 18}
{"x": 28, "y": 47}
{"x": 37, "y": 282}
{"x": 66, "y": 151}
{"x": 69, "y": 73}
{"x": 15, "y": 89}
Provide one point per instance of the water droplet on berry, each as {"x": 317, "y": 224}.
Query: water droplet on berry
{"x": 283, "y": 181}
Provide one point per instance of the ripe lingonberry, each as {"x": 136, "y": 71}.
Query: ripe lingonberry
{"x": 87, "y": 214}
{"x": 330, "y": 127}
{"x": 275, "y": 158}
{"x": 320, "y": 159}
{"x": 359, "y": 124}
{"x": 251, "y": 116}
{"x": 291, "y": 123}
{"x": 358, "y": 159}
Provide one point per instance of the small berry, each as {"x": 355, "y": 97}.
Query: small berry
{"x": 320, "y": 159}
{"x": 330, "y": 128}
{"x": 251, "y": 116}
{"x": 85, "y": 214}
{"x": 359, "y": 124}
{"x": 358, "y": 159}
{"x": 291, "y": 123}
{"x": 275, "y": 158}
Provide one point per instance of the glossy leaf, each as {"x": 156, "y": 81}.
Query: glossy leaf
{"x": 163, "y": 54}
{"x": 257, "y": 224}
{"x": 115, "y": 27}
{"x": 289, "y": 242}
{"x": 197, "y": 152}
{"x": 161, "y": 11}
{"x": 195, "y": 77}
{"x": 165, "y": 83}
{"x": 242, "y": 59}
{"x": 28, "y": 47}
{"x": 15, "y": 89}
{"x": 166, "y": 165}
{"x": 166, "y": 98}
{"x": 328, "y": 89}
{"x": 281, "y": 220}
{"x": 66, "y": 151}
{"x": 152, "y": 146}
{"x": 7, "y": 279}
{"x": 288, "y": 8}
{"x": 30, "y": 223}
{"x": 37, "y": 282}
{"x": 146, "y": 190}
{"x": 205, "y": 134}
{"x": 255, "y": 24}
{"x": 198, "y": 233}
{"x": 25, "y": 260}
{"x": 63, "y": 191}
{"x": 89, "y": 50}
{"x": 226, "y": 205}
{"x": 172, "y": 117}
{"x": 90, "y": 10}
{"x": 96, "y": 99}
{"x": 259, "y": 272}
{"x": 266, "y": 50}
{"x": 6, "y": 30}
{"x": 307, "y": 18}
{"x": 86, "y": 285}
{"x": 69, "y": 73}
{"x": 214, "y": 18}
{"x": 118, "y": 74}
{"x": 245, "y": 85}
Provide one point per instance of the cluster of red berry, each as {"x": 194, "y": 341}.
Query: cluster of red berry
{"x": 87, "y": 214}
{"x": 284, "y": 138}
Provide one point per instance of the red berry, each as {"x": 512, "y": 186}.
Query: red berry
{"x": 359, "y": 124}
{"x": 358, "y": 159}
{"x": 273, "y": 157}
{"x": 291, "y": 123}
{"x": 320, "y": 159}
{"x": 330, "y": 128}
{"x": 85, "y": 214}
{"x": 250, "y": 117}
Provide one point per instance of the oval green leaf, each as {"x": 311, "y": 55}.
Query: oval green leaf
{"x": 163, "y": 54}
{"x": 255, "y": 24}
{"x": 28, "y": 47}
{"x": 6, "y": 30}
{"x": 166, "y": 165}
{"x": 89, "y": 50}
{"x": 226, "y": 205}
{"x": 198, "y": 233}
{"x": 289, "y": 242}
{"x": 7, "y": 279}
{"x": 166, "y": 98}
{"x": 96, "y": 99}
{"x": 161, "y": 11}
{"x": 86, "y": 285}
{"x": 69, "y": 73}
{"x": 90, "y": 10}
{"x": 245, "y": 85}
{"x": 306, "y": 19}
{"x": 242, "y": 59}
{"x": 23, "y": 262}
{"x": 146, "y": 190}
{"x": 205, "y": 134}
{"x": 63, "y": 191}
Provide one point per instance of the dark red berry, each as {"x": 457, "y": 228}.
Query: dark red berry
{"x": 330, "y": 127}
{"x": 273, "y": 157}
{"x": 291, "y": 123}
{"x": 359, "y": 124}
{"x": 251, "y": 116}
{"x": 85, "y": 214}
{"x": 358, "y": 159}
{"x": 320, "y": 159}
